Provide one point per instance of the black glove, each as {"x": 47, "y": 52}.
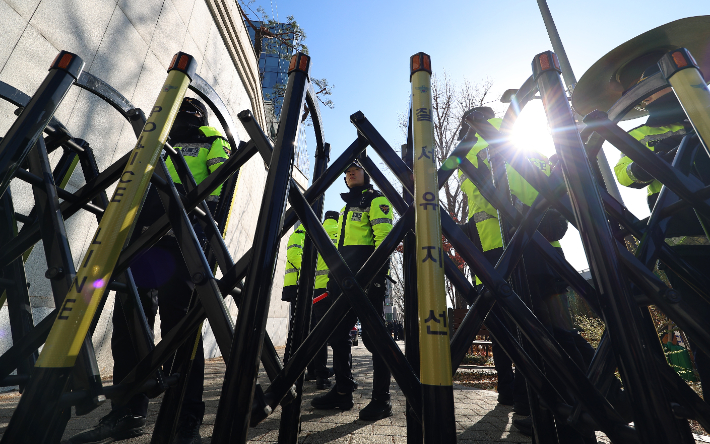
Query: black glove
{"x": 553, "y": 225}
{"x": 289, "y": 293}
{"x": 639, "y": 173}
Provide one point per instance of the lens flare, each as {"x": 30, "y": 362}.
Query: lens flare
{"x": 531, "y": 131}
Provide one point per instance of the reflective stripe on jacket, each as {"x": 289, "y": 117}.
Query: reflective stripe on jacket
{"x": 480, "y": 210}
{"x": 294, "y": 256}
{"x": 363, "y": 224}
{"x": 331, "y": 226}
{"x": 202, "y": 158}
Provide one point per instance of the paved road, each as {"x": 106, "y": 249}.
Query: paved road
{"x": 479, "y": 419}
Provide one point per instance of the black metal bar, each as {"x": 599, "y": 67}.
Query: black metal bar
{"x": 27, "y": 345}
{"x": 62, "y": 193}
{"x": 28, "y": 127}
{"x": 18, "y": 299}
{"x": 356, "y": 298}
{"x": 217, "y": 246}
{"x": 291, "y": 415}
{"x": 236, "y": 274}
{"x": 30, "y": 234}
{"x": 112, "y": 391}
{"x": 534, "y": 376}
{"x": 652, "y": 413}
{"x": 477, "y": 175}
{"x": 61, "y": 274}
{"x": 411, "y": 302}
{"x": 197, "y": 265}
{"x": 544, "y": 426}
{"x": 684, "y": 186}
{"x": 563, "y": 366}
{"x": 192, "y": 200}
{"x": 234, "y": 411}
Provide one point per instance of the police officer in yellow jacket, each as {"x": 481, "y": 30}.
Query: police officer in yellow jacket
{"x": 163, "y": 280}
{"x": 663, "y": 131}
{"x": 294, "y": 256}
{"x": 321, "y": 304}
{"x": 483, "y": 228}
{"x": 363, "y": 224}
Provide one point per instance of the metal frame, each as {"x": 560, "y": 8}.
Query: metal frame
{"x": 577, "y": 398}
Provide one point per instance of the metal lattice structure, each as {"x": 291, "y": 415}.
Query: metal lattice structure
{"x": 561, "y": 393}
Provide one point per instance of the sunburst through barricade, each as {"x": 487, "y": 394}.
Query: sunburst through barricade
{"x": 565, "y": 400}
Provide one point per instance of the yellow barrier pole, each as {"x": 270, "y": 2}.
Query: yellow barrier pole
{"x": 39, "y": 403}
{"x": 434, "y": 351}
{"x": 682, "y": 72}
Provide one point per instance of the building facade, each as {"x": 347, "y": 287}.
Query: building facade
{"x": 274, "y": 55}
{"x": 129, "y": 44}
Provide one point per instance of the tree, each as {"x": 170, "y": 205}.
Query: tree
{"x": 284, "y": 40}
{"x": 450, "y": 101}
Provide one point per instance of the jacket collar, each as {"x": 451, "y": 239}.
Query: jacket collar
{"x": 355, "y": 195}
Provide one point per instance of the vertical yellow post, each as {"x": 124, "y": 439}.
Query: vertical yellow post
{"x": 681, "y": 70}
{"x": 435, "y": 354}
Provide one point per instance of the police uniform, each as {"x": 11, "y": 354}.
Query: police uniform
{"x": 663, "y": 131}
{"x": 363, "y": 223}
{"x": 483, "y": 228}
{"x": 294, "y": 256}
{"x": 322, "y": 303}
{"x": 160, "y": 273}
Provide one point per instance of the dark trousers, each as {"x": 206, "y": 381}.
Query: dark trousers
{"x": 341, "y": 345}
{"x": 319, "y": 364}
{"x": 510, "y": 384}
{"x": 163, "y": 282}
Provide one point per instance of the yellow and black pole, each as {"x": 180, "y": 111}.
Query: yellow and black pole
{"x": 40, "y": 400}
{"x": 682, "y": 72}
{"x": 435, "y": 355}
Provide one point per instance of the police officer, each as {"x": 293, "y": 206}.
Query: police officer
{"x": 483, "y": 228}
{"x": 663, "y": 131}
{"x": 321, "y": 304}
{"x": 163, "y": 280}
{"x": 363, "y": 223}
{"x": 294, "y": 256}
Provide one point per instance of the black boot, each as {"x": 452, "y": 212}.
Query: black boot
{"x": 188, "y": 431}
{"x": 376, "y": 409}
{"x": 322, "y": 383}
{"x": 333, "y": 399}
{"x": 117, "y": 425}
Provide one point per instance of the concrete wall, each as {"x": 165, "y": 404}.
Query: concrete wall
{"x": 129, "y": 43}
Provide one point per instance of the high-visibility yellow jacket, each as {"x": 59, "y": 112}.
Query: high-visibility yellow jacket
{"x": 480, "y": 210}
{"x": 294, "y": 256}
{"x": 649, "y": 136}
{"x": 202, "y": 157}
{"x": 364, "y": 222}
{"x": 331, "y": 226}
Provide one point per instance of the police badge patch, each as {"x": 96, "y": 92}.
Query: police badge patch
{"x": 385, "y": 209}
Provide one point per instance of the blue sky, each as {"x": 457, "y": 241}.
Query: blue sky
{"x": 363, "y": 48}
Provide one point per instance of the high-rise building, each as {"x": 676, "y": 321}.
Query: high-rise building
{"x": 274, "y": 59}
